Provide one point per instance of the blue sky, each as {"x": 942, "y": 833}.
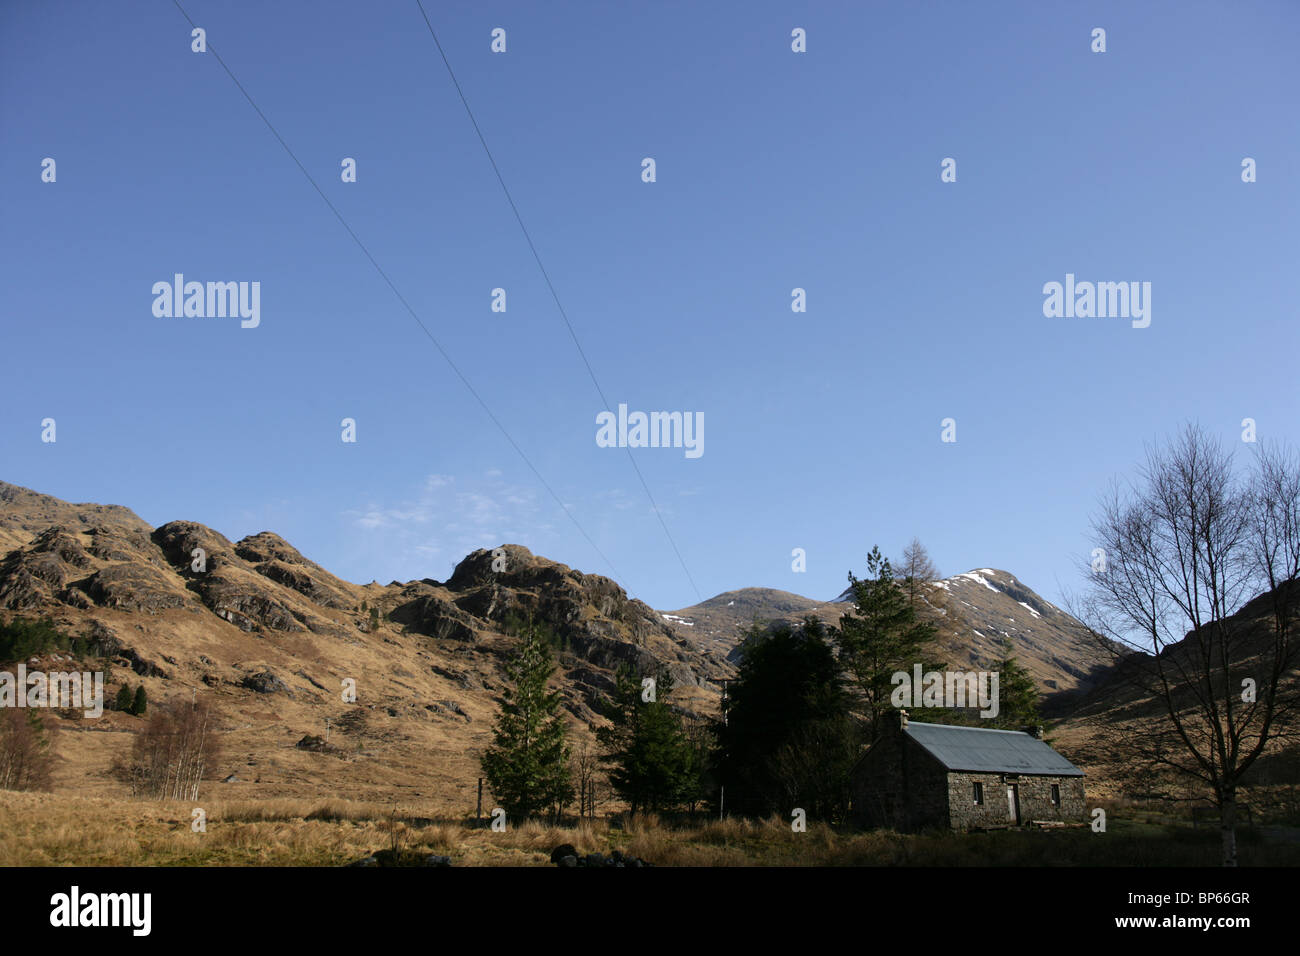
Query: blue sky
{"x": 775, "y": 170}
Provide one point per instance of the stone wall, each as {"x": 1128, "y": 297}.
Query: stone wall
{"x": 898, "y": 785}
{"x": 1035, "y": 800}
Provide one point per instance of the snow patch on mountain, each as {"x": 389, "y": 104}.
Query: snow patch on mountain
{"x": 976, "y": 576}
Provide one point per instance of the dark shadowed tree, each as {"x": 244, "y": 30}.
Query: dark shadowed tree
{"x": 1018, "y": 697}
{"x": 789, "y": 739}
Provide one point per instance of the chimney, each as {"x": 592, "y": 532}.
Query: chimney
{"x": 902, "y": 719}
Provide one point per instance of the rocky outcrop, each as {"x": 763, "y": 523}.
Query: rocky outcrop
{"x": 424, "y": 611}
{"x": 135, "y": 587}
{"x": 274, "y": 558}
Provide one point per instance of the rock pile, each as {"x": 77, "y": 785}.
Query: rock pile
{"x": 565, "y": 855}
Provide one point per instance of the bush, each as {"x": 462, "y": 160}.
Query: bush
{"x": 22, "y": 637}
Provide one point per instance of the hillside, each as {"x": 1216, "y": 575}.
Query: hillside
{"x": 985, "y": 614}
{"x": 1107, "y": 723}
{"x": 270, "y": 636}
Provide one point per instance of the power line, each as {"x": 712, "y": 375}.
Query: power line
{"x": 555, "y": 295}
{"x": 401, "y": 298}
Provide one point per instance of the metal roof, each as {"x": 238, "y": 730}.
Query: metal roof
{"x": 979, "y": 749}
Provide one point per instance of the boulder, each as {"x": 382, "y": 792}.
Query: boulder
{"x": 265, "y": 683}
{"x": 563, "y": 850}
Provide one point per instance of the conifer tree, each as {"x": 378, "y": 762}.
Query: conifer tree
{"x": 527, "y": 764}
{"x": 125, "y": 698}
{"x": 880, "y": 637}
{"x": 141, "y": 702}
{"x": 1017, "y": 696}
{"x": 653, "y": 764}
{"x": 916, "y": 570}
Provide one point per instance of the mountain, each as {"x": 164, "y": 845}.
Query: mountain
{"x": 716, "y": 624}
{"x": 980, "y": 615}
{"x": 985, "y": 614}
{"x": 271, "y": 636}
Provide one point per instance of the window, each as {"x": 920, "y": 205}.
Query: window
{"x": 979, "y": 794}
{"x": 1056, "y": 795}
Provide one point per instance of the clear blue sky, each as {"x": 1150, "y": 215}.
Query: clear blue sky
{"x": 775, "y": 170}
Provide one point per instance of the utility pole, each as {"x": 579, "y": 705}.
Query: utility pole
{"x": 478, "y": 812}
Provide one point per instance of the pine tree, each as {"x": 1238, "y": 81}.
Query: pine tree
{"x": 880, "y": 637}
{"x": 141, "y": 702}
{"x": 1017, "y": 696}
{"x": 527, "y": 764}
{"x": 653, "y": 765}
{"x": 125, "y": 698}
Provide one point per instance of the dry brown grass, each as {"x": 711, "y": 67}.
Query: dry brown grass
{"x": 63, "y": 830}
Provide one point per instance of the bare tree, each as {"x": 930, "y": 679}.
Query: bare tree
{"x": 26, "y": 759}
{"x": 586, "y": 768}
{"x": 916, "y": 570}
{"x": 173, "y": 752}
{"x": 1181, "y": 552}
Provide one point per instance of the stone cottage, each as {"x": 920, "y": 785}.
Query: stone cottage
{"x": 933, "y": 775}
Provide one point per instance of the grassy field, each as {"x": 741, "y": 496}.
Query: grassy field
{"x": 60, "y": 830}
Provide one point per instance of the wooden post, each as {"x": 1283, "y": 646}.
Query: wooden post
{"x": 478, "y": 812}
{"x": 722, "y": 791}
